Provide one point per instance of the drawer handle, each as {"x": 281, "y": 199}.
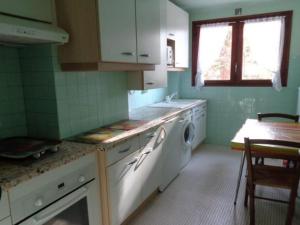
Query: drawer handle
{"x": 150, "y": 83}
{"x": 124, "y": 150}
{"x": 171, "y": 34}
{"x": 147, "y": 153}
{"x": 132, "y": 162}
{"x": 128, "y": 53}
{"x": 145, "y": 55}
{"x": 151, "y": 135}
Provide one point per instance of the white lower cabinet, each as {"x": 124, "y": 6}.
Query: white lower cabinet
{"x": 199, "y": 120}
{"x": 124, "y": 188}
{"x": 134, "y": 178}
{"x": 6, "y": 221}
{"x": 150, "y": 163}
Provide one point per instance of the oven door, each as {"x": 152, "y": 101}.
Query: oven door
{"x": 80, "y": 207}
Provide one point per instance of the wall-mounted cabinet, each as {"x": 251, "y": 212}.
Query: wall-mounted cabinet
{"x": 110, "y": 35}
{"x": 33, "y": 9}
{"x": 144, "y": 80}
{"x": 178, "y": 37}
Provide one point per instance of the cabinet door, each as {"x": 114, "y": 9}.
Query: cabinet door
{"x": 117, "y": 30}
{"x": 159, "y": 77}
{"x": 124, "y": 188}
{"x": 148, "y": 31}
{"x": 182, "y": 40}
{"x": 150, "y": 164}
{"x": 178, "y": 30}
{"x": 202, "y": 126}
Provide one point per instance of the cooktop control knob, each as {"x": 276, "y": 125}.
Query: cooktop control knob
{"x": 39, "y": 202}
{"x": 81, "y": 179}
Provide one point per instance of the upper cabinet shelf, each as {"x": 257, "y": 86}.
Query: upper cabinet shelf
{"x": 178, "y": 37}
{"x": 110, "y": 35}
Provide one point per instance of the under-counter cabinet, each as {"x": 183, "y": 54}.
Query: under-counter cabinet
{"x": 199, "y": 121}
{"x": 178, "y": 33}
{"x": 130, "y": 173}
{"x": 110, "y": 35}
{"x": 158, "y": 78}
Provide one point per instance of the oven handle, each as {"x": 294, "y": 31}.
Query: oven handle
{"x": 46, "y": 215}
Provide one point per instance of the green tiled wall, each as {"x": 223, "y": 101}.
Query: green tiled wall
{"x": 87, "y": 100}
{"x": 138, "y": 99}
{"x": 55, "y": 104}
{"x": 12, "y": 112}
{"x": 228, "y": 107}
{"x": 39, "y": 91}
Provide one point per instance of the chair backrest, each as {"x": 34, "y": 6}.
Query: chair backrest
{"x": 260, "y": 116}
{"x": 261, "y": 152}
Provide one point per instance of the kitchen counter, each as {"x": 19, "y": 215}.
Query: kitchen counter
{"x": 154, "y": 116}
{"x": 13, "y": 172}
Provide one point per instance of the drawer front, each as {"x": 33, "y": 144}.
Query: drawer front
{"x": 122, "y": 150}
{"x": 148, "y": 136}
{"x": 4, "y": 207}
{"x": 199, "y": 108}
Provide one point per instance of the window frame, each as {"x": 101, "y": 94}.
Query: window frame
{"x": 237, "y": 50}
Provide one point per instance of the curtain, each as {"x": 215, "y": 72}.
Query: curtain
{"x": 204, "y": 61}
{"x": 274, "y": 66}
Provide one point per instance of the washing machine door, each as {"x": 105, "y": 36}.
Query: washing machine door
{"x": 188, "y": 134}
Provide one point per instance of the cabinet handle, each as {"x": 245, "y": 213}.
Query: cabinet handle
{"x": 132, "y": 162}
{"x": 150, "y": 83}
{"x": 124, "y": 150}
{"x": 171, "y": 34}
{"x": 128, "y": 53}
{"x": 150, "y": 135}
{"x": 145, "y": 55}
{"x": 147, "y": 153}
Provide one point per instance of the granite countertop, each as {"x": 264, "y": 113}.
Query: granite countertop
{"x": 13, "y": 172}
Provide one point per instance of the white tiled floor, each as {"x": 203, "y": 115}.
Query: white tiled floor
{"x": 203, "y": 195}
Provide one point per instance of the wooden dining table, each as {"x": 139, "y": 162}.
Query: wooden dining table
{"x": 255, "y": 129}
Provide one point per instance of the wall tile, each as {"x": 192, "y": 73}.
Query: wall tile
{"x": 12, "y": 112}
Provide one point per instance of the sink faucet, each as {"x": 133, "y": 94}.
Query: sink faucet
{"x": 170, "y": 97}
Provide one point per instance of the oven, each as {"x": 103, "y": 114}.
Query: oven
{"x": 72, "y": 199}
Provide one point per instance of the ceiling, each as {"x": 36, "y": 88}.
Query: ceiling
{"x": 191, "y": 4}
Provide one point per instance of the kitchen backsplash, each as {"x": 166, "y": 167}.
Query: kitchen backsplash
{"x": 12, "y": 111}
{"x": 55, "y": 104}
{"x": 39, "y": 91}
{"x": 137, "y": 99}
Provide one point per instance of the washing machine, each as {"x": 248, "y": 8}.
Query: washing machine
{"x": 187, "y": 135}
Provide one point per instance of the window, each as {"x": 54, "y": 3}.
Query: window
{"x": 242, "y": 51}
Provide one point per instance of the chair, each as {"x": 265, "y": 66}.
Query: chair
{"x": 271, "y": 175}
{"x": 260, "y": 116}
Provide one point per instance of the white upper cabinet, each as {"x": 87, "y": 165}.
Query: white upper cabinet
{"x": 110, "y": 35}
{"x": 118, "y": 30}
{"x": 33, "y": 9}
{"x": 130, "y": 31}
{"x": 148, "y": 31}
{"x": 158, "y": 78}
{"x": 178, "y": 30}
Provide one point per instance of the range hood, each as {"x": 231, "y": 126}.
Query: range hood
{"x": 14, "y": 30}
